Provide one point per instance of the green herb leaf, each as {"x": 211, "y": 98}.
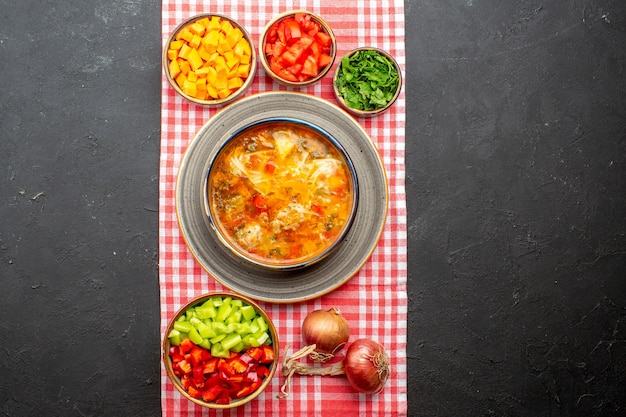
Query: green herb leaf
{"x": 367, "y": 80}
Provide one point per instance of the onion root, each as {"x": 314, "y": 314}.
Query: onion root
{"x": 291, "y": 366}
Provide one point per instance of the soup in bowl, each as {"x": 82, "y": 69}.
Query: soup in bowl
{"x": 281, "y": 193}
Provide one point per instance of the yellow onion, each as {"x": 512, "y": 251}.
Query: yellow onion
{"x": 328, "y": 330}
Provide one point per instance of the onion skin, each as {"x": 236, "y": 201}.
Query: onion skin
{"x": 367, "y": 366}
{"x": 328, "y": 330}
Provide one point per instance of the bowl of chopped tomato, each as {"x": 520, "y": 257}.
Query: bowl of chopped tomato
{"x": 281, "y": 193}
{"x": 210, "y": 59}
{"x": 297, "y": 48}
{"x": 367, "y": 81}
{"x": 220, "y": 350}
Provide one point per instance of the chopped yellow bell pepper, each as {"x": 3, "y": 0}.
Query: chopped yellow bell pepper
{"x": 185, "y": 34}
{"x": 233, "y": 36}
{"x": 209, "y": 58}
{"x": 243, "y": 70}
{"x": 214, "y": 23}
{"x": 234, "y": 83}
{"x": 226, "y": 26}
{"x": 194, "y": 59}
{"x": 195, "y": 42}
{"x": 204, "y": 22}
{"x": 172, "y": 54}
{"x": 197, "y": 28}
{"x": 180, "y": 80}
{"x": 184, "y": 51}
{"x": 184, "y": 66}
{"x": 176, "y": 44}
{"x": 211, "y": 40}
{"x": 174, "y": 68}
{"x": 212, "y": 91}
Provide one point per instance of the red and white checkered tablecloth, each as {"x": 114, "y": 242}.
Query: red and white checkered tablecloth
{"x": 374, "y": 301}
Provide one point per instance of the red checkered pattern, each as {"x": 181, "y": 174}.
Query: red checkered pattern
{"x": 374, "y": 301}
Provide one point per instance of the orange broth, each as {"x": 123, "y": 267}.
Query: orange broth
{"x": 281, "y": 193}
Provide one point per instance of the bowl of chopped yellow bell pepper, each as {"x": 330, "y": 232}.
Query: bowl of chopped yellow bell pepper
{"x": 210, "y": 59}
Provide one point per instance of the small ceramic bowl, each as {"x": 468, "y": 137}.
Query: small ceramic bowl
{"x": 210, "y": 59}
{"x": 340, "y": 88}
{"x": 282, "y": 63}
{"x": 209, "y": 392}
{"x": 281, "y": 193}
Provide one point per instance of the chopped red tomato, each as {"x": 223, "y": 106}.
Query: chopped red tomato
{"x": 323, "y": 60}
{"x": 323, "y": 38}
{"x": 310, "y": 66}
{"x": 295, "y": 251}
{"x": 292, "y": 31}
{"x": 317, "y": 209}
{"x": 260, "y": 203}
{"x": 255, "y": 162}
{"x": 297, "y": 48}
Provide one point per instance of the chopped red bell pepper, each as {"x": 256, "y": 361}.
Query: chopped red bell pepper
{"x": 255, "y": 353}
{"x": 197, "y": 376}
{"x": 238, "y": 365}
{"x": 211, "y": 393}
{"x": 223, "y": 398}
{"x": 186, "y": 345}
{"x": 227, "y": 370}
{"x": 220, "y": 380}
{"x": 210, "y": 366}
{"x": 244, "y": 391}
{"x": 199, "y": 355}
{"x": 175, "y": 356}
{"x": 256, "y": 384}
{"x": 184, "y": 366}
{"x": 268, "y": 354}
{"x": 262, "y": 372}
{"x": 194, "y": 392}
{"x": 185, "y": 381}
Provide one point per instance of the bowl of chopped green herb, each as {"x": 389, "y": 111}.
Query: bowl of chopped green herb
{"x": 367, "y": 81}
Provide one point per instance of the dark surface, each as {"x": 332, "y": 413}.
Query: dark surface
{"x": 516, "y": 163}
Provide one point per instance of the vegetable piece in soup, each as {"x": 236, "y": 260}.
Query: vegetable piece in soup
{"x": 280, "y": 192}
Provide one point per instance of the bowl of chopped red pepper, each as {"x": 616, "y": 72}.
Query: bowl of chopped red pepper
{"x": 220, "y": 350}
{"x": 367, "y": 81}
{"x": 297, "y": 48}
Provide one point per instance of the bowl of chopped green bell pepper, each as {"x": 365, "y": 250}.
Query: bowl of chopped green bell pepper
{"x": 367, "y": 81}
{"x": 220, "y": 350}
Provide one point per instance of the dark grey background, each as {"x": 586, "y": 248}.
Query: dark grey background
{"x": 516, "y": 163}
